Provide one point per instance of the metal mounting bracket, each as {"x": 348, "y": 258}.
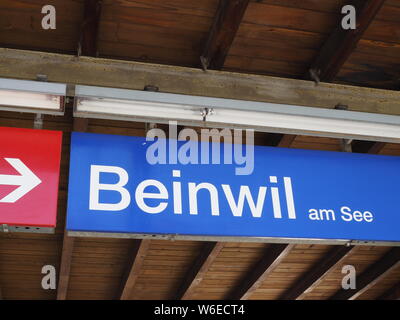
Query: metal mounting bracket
{"x": 206, "y": 112}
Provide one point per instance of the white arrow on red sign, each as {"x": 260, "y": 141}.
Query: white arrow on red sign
{"x": 26, "y": 181}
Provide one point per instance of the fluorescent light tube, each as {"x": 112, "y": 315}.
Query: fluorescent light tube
{"x": 134, "y": 110}
{"x": 32, "y": 96}
{"x": 308, "y": 125}
{"x": 122, "y": 104}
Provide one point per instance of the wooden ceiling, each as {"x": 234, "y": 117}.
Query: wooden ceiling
{"x": 274, "y": 37}
{"x": 284, "y": 38}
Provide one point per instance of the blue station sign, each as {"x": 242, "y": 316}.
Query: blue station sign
{"x": 122, "y": 184}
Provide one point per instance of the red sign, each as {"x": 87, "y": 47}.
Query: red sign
{"x": 29, "y": 174}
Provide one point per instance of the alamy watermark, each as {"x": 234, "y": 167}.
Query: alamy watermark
{"x": 49, "y": 20}
{"x": 49, "y": 280}
{"x": 349, "y": 280}
{"x": 349, "y": 20}
{"x": 204, "y": 148}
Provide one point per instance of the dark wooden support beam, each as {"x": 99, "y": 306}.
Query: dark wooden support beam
{"x": 273, "y": 256}
{"x": 81, "y": 125}
{"x": 341, "y": 43}
{"x": 376, "y": 147}
{"x": 66, "y": 258}
{"x": 196, "y": 274}
{"x": 279, "y": 140}
{"x": 226, "y": 23}
{"x": 286, "y": 140}
{"x": 392, "y": 294}
{"x": 313, "y": 277}
{"x": 371, "y": 276}
{"x": 367, "y": 147}
{"x": 139, "y": 251}
{"x": 90, "y": 26}
{"x": 19, "y": 64}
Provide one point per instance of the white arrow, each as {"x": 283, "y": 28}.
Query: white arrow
{"x": 26, "y": 181}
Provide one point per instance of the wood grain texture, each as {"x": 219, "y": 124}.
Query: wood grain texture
{"x": 392, "y": 294}
{"x": 105, "y": 72}
{"x": 310, "y": 279}
{"x": 273, "y": 256}
{"x": 138, "y": 255}
{"x": 227, "y": 20}
{"x": 373, "y": 274}
{"x": 286, "y": 140}
{"x": 167, "y": 32}
{"x": 20, "y": 25}
{"x": 374, "y": 62}
{"x": 90, "y": 26}
{"x": 276, "y": 38}
{"x": 66, "y": 258}
{"x": 197, "y": 272}
{"x": 367, "y": 147}
{"x": 341, "y": 42}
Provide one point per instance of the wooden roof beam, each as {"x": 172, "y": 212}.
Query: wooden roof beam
{"x": 22, "y": 64}
{"x": 338, "y": 48}
{"x": 273, "y": 256}
{"x": 200, "y": 267}
{"x": 367, "y": 147}
{"x": 66, "y": 259}
{"x": 391, "y": 294}
{"x": 140, "y": 248}
{"x": 286, "y": 140}
{"x": 81, "y": 125}
{"x": 371, "y": 275}
{"x": 313, "y": 276}
{"x": 223, "y": 31}
{"x": 336, "y": 255}
{"x": 342, "y": 43}
{"x": 90, "y": 26}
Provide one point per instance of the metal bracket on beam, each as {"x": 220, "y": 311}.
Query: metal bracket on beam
{"x": 41, "y": 77}
{"x": 314, "y": 74}
{"x": 206, "y": 112}
{"x": 204, "y": 63}
{"x": 38, "y": 122}
{"x": 151, "y": 88}
{"x": 346, "y": 145}
{"x": 340, "y": 106}
{"x": 149, "y": 126}
{"x": 79, "y": 50}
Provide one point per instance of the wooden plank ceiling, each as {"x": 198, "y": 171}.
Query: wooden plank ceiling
{"x": 274, "y": 37}
{"x": 284, "y": 38}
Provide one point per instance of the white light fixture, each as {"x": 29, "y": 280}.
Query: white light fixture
{"x": 32, "y": 96}
{"x": 122, "y": 104}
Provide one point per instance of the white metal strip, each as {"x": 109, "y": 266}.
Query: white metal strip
{"x": 229, "y": 239}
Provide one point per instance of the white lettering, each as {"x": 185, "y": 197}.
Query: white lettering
{"x": 193, "y": 189}
{"x": 244, "y": 193}
{"x": 140, "y": 195}
{"x": 96, "y": 186}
